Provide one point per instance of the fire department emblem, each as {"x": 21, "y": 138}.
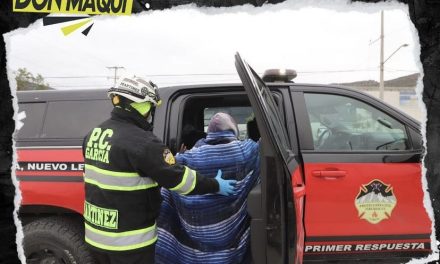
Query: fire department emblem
{"x": 375, "y": 201}
{"x": 168, "y": 157}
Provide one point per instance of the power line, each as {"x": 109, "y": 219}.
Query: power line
{"x": 337, "y": 71}
{"x": 200, "y": 82}
{"x": 400, "y": 70}
{"x": 206, "y": 74}
{"x": 75, "y": 86}
{"x": 149, "y": 75}
{"x": 79, "y": 87}
{"x": 190, "y": 74}
{"x": 75, "y": 77}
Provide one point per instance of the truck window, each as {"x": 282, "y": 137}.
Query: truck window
{"x": 343, "y": 123}
{"x": 194, "y": 112}
{"x": 241, "y": 115}
{"x": 30, "y": 118}
{"x": 74, "y": 119}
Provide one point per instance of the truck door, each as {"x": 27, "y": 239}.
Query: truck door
{"x": 363, "y": 174}
{"x": 277, "y": 225}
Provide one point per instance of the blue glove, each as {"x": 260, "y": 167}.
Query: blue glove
{"x": 226, "y": 187}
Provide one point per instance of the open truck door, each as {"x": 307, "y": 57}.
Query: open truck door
{"x": 275, "y": 205}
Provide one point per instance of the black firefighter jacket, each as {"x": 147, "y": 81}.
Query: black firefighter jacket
{"x": 125, "y": 166}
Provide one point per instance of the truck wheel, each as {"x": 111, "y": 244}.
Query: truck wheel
{"x": 55, "y": 240}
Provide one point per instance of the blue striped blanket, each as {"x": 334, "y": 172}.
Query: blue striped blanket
{"x": 210, "y": 228}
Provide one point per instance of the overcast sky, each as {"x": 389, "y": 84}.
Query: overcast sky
{"x": 325, "y": 42}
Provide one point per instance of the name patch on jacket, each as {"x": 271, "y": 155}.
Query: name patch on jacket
{"x": 98, "y": 147}
{"x": 103, "y": 217}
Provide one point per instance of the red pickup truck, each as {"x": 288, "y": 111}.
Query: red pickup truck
{"x": 340, "y": 170}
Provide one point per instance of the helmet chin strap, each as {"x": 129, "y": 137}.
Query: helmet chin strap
{"x": 150, "y": 117}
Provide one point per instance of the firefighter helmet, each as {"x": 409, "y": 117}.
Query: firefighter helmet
{"x": 136, "y": 89}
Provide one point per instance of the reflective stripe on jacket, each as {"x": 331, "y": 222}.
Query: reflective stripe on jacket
{"x": 121, "y": 241}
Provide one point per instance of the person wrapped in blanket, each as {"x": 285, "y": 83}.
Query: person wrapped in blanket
{"x": 209, "y": 229}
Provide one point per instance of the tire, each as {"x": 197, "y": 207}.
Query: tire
{"x": 56, "y": 240}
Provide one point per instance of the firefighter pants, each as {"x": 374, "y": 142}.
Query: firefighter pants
{"x": 145, "y": 256}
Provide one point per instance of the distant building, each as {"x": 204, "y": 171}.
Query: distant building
{"x": 399, "y": 92}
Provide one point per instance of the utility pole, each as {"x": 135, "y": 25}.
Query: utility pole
{"x": 381, "y": 84}
{"x": 382, "y": 61}
{"x": 115, "y": 68}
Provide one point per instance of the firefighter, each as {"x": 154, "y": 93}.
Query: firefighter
{"x": 125, "y": 166}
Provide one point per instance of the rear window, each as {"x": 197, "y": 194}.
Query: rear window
{"x": 30, "y": 120}
{"x": 74, "y": 119}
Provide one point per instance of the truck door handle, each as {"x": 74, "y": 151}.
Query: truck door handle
{"x": 329, "y": 173}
